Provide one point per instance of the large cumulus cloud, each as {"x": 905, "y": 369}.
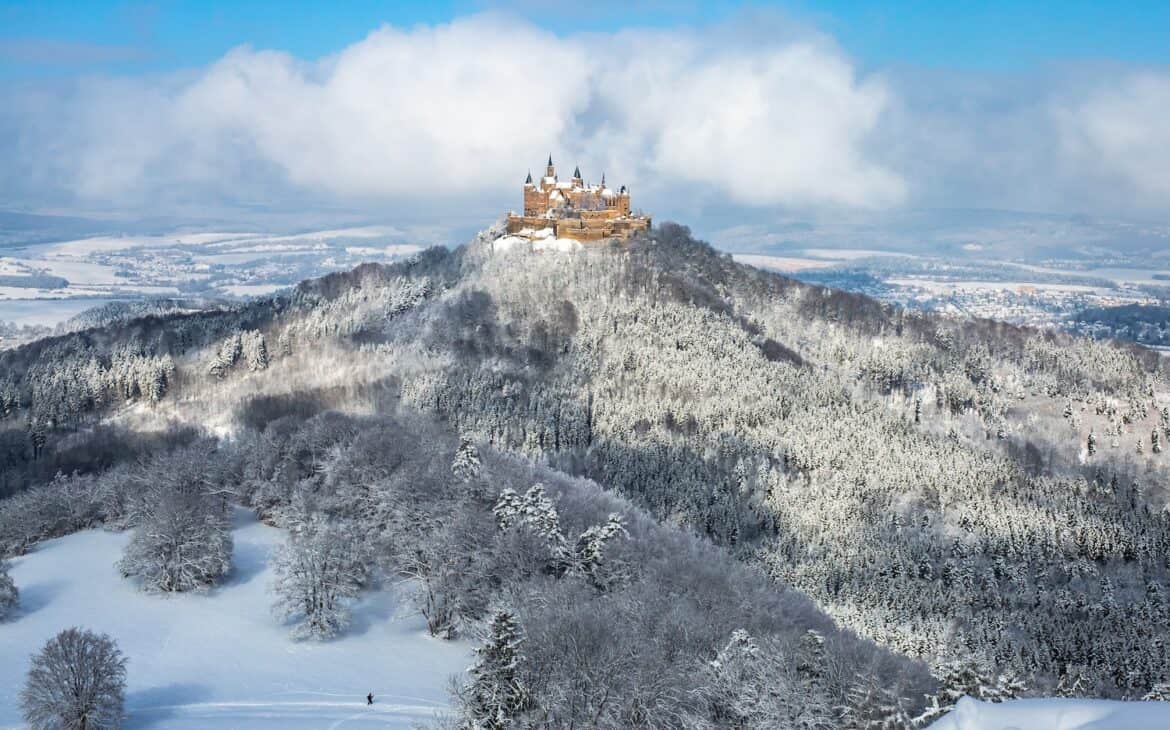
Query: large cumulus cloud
{"x": 459, "y": 109}
{"x": 451, "y": 115}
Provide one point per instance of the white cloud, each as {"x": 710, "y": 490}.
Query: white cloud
{"x": 462, "y": 109}
{"x": 432, "y": 118}
{"x": 765, "y": 125}
{"x": 1119, "y": 134}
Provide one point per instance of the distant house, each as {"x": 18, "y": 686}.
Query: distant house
{"x": 575, "y": 210}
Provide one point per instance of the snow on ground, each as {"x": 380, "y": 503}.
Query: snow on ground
{"x": 538, "y": 243}
{"x": 253, "y": 290}
{"x": 222, "y": 658}
{"x": 1056, "y": 714}
{"x": 850, "y": 254}
{"x": 47, "y": 312}
{"x": 781, "y": 263}
{"x": 937, "y": 286}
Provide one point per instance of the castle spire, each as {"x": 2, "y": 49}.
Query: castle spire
{"x": 603, "y": 179}
{"x": 577, "y": 172}
{"x": 550, "y": 159}
{"x": 550, "y": 171}
{"x": 528, "y": 180}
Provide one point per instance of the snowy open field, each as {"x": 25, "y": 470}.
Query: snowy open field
{"x": 222, "y": 658}
{"x": 190, "y": 265}
{"x": 783, "y": 264}
{"x": 1054, "y": 714}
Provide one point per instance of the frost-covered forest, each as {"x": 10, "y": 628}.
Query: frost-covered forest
{"x": 808, "y": 500}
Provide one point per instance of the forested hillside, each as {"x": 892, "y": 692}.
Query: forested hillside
{"x": 965, "y": 493}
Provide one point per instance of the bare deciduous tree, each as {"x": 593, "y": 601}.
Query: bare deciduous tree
{"x": 318, "y": 570}
{"x": 76, "y": 682}
{"x": 8, "y": 593}
{"x": 183, "y": 538}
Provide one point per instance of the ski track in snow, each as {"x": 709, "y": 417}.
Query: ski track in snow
{"x": 221, "y": 659}
{"x": 314, "y": 714}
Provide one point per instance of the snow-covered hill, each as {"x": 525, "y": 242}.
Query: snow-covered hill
{"x": 1056, "y": 714}
{"x": 222, "y": 657}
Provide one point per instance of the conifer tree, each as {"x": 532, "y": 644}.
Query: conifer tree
{"x": 1158, "y": 693}
{"x": 255, "y": 351}
{"x": 968, "y": 677}
{"x": 1072, "y": 682}
{"x": 466, "y": 465}
{"x": 284, "y": 344}
{"x": 496, "y": 695}
{"x": 591, "y": 560}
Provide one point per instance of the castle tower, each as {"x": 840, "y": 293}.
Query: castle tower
{"x": 551, "y": 171}
{"x": 623, "y": 201}
{"x": 535, "y": 201}
{"x": 577, "y": 180}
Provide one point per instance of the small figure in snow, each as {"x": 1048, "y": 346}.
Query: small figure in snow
{"x": 370, "y": 698}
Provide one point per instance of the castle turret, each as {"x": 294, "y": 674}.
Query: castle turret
{"x": 551, "y": 171}
{"x": 535, "y": 201}
{"x": 577, "y": 180}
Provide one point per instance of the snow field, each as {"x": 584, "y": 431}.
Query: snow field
{"x": 222, "y": 658}
{"x": 1056, "y": 714}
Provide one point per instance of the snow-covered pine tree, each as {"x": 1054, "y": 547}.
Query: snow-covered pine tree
{"x": 1073, "y": 683}
{"x": 1160, "y": 692}
{"x": 466, "y": 465}
{"x": 284, "y": 344}
{"x": 255, "y": 351}
{"x": 590, "y": 552}
{"x": 38, "y": 436}
{"x": 77, "y": 681}
{"x": 509, "y": 509}
{"x": 496, "y": 696}
{"x": 971, "y": 678}
{"x": 535, "y": 511}
{"x": 154, "y": 384}
{"x": 9, "y": 595}
{"x": 540, "y": 514}
{"x": 811, "y": 658}
{"x": 227, "y": 355}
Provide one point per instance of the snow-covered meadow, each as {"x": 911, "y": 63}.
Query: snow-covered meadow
{"x": 222, "y": 657}
{"x": 1056, "y": 714}
{"x": 191, "y": 265}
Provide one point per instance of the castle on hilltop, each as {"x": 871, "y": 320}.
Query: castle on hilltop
{"x": 575, "y": 210}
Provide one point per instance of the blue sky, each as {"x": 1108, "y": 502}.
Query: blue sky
{"x": 753, "y": 115}
{"x": 135, "y": 37}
